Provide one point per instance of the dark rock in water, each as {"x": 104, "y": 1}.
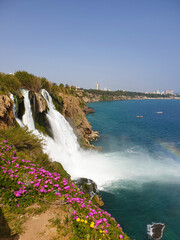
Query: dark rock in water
{"x": 155, "y": 230}
{"x": 89, "y": 186}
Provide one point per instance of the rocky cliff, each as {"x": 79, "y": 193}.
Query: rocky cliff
{"x": 6, "y": 112}
{"x": 69, "y": 106}
{"x": 77, "y": 119}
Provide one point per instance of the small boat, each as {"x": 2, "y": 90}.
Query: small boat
{"x": 159, "y": 112}
{"x": 139, "y": 116}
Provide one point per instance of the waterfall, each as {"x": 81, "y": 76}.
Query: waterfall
{"x": 27, "y": 118}
{"x": 101, "y": 168}
{"x": 64, "y": 147}
{"x": 62, "y": 132}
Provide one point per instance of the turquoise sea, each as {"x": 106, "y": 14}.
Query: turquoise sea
{"x": 149, "y": 151}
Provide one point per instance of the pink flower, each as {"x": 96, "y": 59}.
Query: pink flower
{"x": 56, "y": 185}
{"x": 58, "y": 194}
{"x": 67, "y": 188}
{"x": 120, "y": 236}
{"x": 17, "y": 194}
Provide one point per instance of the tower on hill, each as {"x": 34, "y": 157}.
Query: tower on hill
{"x": 97, "y": 86}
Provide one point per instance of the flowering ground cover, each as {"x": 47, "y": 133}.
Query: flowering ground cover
{"x": 23, "y": 183}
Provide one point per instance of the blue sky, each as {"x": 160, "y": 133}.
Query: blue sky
{"x": 121, "y": 44}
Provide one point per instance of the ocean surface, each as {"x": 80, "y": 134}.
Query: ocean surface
{"x": 148, "y": 153}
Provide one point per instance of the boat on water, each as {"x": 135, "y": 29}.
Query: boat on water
{"x": 139, "y": 116}
{"x": 159, "y": 112}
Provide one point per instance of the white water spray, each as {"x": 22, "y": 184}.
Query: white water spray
{"x": 102, "y": 168}
{"x": 62, "y": 132}
{"x": 27, "y": 117}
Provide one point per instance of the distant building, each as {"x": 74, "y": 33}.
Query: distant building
{"x": 97, "y": 86}
{"x": 105, "y": 89}
{"x": 169, "y": 92}
{"x": 157, "y": 92}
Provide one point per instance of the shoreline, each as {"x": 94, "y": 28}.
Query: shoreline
{"x": 178, "y": 98}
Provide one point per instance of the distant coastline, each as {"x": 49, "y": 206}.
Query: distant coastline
{"x": 92, "y": 95}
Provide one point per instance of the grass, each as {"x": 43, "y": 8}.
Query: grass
{"x": 22, "y": 139}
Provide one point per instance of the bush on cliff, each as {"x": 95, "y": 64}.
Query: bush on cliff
{"x": 29, "y": 81}
{"x": 9, "y": 83}
{"x": 22, "y": 139}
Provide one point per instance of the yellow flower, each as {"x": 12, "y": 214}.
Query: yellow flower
{"x": 78, "y": 219}
{"x": 100, "y": 231}
{"x": 82, "y": 220}
{"x": 92, "y": 225}
{"x": 85, "y": 221}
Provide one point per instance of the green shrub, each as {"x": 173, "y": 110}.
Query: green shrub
{"x": 22, "y": 139}
{"x": 45, "y": 84}
{"x": 29, "y": 81}
{"x": 9, "y": 83}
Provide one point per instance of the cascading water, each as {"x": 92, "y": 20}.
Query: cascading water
{"x": 102, "y": 168}
{"x": 27, "y": 117}
{"x": 64, "y": 148}
{"x": 62, "y": 132}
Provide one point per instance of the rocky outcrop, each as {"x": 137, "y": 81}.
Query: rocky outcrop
{"x": 77, "y": 119}
{"x": 155, "y": 230}
{"x": 6, "y": 112}
{"x": 87, "y": 110}
{"x": 38, "y": 102}
{"x": 39, "y": 110}
{"x": 89, "y": 186}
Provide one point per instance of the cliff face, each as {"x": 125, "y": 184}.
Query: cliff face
{"x": 77, "y": 119}
{"x": 71, "y": 110}
{"x": 6, "y": 112}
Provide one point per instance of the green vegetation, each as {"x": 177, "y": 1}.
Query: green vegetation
{"x": 9, "y": 83}
{"x": 22, "y": 139}
{"x": 26, "y": 182}
{"x": 29, "y": 147}
{"x": 29, "y": 81}
{"x": 106, "y": 95}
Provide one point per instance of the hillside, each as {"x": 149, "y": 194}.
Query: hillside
{"x": 37, "y": 197}
{"x": 92, "y": 95}
{"x": 65, "y": 99}
{"x": 29, "y": 191}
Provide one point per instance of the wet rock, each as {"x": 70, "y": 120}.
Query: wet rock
{"x": 89, "y": 186}
{"x": 93, "y": 135}
{"x": 155, "y": 230}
